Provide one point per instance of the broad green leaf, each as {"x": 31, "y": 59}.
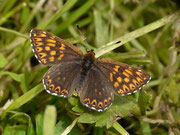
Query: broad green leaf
{"x": 120, "y": 108}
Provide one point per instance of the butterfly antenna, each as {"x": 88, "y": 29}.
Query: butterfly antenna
{"x": 83, "y": 38}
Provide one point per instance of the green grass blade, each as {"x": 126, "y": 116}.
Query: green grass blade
{"x": 68, "y": 5}
{"x": 74, "y": 16}
{"x": 23, "y": 99}
{"x": 135, "y": 34}
{"x": 49, "y": 120}
{"x": 120, "y": 129}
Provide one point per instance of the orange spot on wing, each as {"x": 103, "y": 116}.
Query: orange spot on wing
{"x": 44, "y": 61}
{"x": 34, "y": 34}
{"x": 94, "y": 103}
{"x": 119, "y": 79}
{"x": 126, "y": 80}
{"x": 139, "y": 74}
{"x": 48, "y": 82}
{"x": 105, "y": 102}
{"x": 50, "y": 40}
{"x": 58, "y": 89}
{"x": 128, "y": 71}
{"x": 125, "y": 88}
{"x": 100, "y": 93}
{"x": 62, "y": 47}
{"x": 86, "y": 101}
{"x": 136, "y": 83}
{"x": 52, "y": 37}
{"x": 51, "y": 44}
{"x": 131, "y": 86}
{"x": 60, "y": 57}
{"x": 139, "y": 80}
{"x": 39, "y": 49}
{"x": 126, "y": 74}
{"x": 116, "y": 68}
{"x": 103, "y": 89}
{"x": 100, "y": 105}
{"x": 64, "y": 92}
{"x": 116, "y": 84}
{"x": 120, "y": 91}
{"x": 114, "y": 73}
{"x": 111, "y": 77}
{"x": 47, "y": 48}
{"x": 52, "y": 52}
{"x": 38, "y": 43}
{"x": 47, "y": 77}
{"x": 41, "y": 35}
{"x": 51, "y": 59}
{"x": 51, "y": 87}
{"x": 42, "y": 55}
{"x": 37, "y": 39}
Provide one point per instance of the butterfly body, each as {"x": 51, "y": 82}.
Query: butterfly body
{"x": 88, "y": 62}
{"x": 95, "y": 80}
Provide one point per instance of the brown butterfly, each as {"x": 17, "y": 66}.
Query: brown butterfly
{"x": 95, "y": 80}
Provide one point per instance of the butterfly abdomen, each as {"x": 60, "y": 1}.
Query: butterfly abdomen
{"x": 87, "y": 63}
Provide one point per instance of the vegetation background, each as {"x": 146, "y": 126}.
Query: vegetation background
{"x": 149, "y": 31}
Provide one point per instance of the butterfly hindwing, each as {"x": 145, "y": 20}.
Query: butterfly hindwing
{"x": 95, "y": 92}
{"x": 124, "y": 78}
{"x": 50, "y": 49}
{"x": 60, "y": 79}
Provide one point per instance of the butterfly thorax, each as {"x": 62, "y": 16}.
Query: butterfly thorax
{"x": 88, "y": 61}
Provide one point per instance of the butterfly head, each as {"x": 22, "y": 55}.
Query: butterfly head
{"x": 88, "y": 60}
{"x": 90, "y": 54}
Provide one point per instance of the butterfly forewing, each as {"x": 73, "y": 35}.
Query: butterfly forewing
{"x": 124, "y": 78}
{"x": 50, "y": 49}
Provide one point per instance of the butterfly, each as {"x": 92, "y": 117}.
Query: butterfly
{"x": 96, "y": 81}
